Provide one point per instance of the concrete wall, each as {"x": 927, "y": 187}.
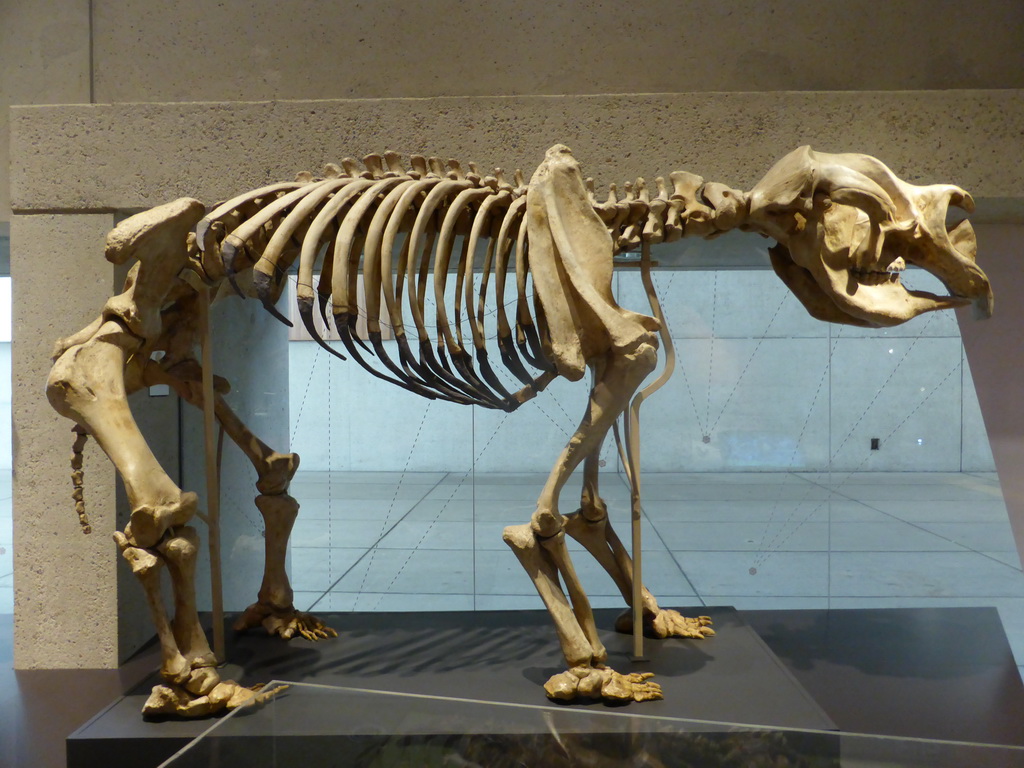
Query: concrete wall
{"x": 996, "y": 351}
{"x": 311, "y": 50}
{"x": 65, "y": 592}
{"x": 5, "y": 405}
{"x": 44, "y": 59}
{"x": 87, "y": 162}
{"x": 109, "y": 51}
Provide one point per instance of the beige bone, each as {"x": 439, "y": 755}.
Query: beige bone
{"x": 844, "y": 227}
{"x": 94, "y": 371}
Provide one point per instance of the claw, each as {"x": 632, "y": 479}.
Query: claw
{"x": 306, "y": 313}
{"x": 265, "y": 291}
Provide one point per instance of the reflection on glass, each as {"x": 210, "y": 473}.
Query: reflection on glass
{"x": 319, "y": 725}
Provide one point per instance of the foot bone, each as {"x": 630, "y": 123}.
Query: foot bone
{"x": 602, "y": 683}
{"x": 169, "y": 699}
{"x": 286, "y": 623}
{"x": 667, "y": 623}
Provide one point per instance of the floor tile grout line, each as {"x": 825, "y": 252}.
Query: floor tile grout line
{"x": 956, "y": 547}
{"x": 845, "y": 552}
{"x": 379, "y": 539}
{"x": 997, "y": 560}
{"x": 919, "y": 525}
{"x": 913, "y": 524}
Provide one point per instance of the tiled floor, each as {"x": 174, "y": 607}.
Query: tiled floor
{"x": 432, "y": 541}
{"x": 380, "y": 541}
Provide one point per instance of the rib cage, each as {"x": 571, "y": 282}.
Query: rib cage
{"x": 398, "y": 226}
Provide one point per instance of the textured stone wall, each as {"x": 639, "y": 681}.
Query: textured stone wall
{"x": 65, "y": 592}
{"x": 109, "y": 51}
{"x": 155, "y": 152}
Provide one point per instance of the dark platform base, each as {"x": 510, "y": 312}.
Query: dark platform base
{"x": 829, "y": 667}
{"x": 543, "y": 750}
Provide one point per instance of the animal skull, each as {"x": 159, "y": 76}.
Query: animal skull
{"x": 847, "y": 227}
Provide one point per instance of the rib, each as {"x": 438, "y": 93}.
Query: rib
{"x": 482, "y": 218}
{"x": 445, "y": 340}
{"x": 392, "y": 290}
{"x": 268, "y": 270}
{"x": 372, "y": 280}
{"x": 503, "y": 248}
{"x": 307, "y": 258}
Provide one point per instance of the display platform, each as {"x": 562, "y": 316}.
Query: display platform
{"x": 322, "y": 725}
{"x": 504, "y": 657}
{"x": 930, "y": 673}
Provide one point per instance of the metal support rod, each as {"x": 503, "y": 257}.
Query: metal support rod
{"x": 212, "y": 476}
{"x": 633, "y": 452}
{"x": 633, "y": 443}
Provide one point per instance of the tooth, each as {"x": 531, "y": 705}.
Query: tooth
{"x": 962, "y": 199}
{"x": 898, "y": 265}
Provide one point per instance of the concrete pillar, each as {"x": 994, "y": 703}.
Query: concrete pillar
{"x": 65, "y": 593}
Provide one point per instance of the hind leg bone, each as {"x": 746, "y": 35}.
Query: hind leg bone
{"x": 274, "y": 608}
{"x": 87, "y": 385}
{"x": 540, "y": 545}
{"x": 591, "y": 527}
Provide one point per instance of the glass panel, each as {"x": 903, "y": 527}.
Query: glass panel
{"x": 319, "y": 725}
{"x": 787, "y": 463}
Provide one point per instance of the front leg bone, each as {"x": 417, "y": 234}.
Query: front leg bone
{"x": 540, "y": 546}
{"x": 602, "y": 683}
{"x": 600, "y": 540}
{"x": 554, "y": 546}
{"x": 274, "y": 609}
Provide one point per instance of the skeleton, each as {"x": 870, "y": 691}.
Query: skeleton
{"x": 845, "y": 228}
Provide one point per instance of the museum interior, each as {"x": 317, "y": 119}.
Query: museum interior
{"x": 843, "y": 503}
